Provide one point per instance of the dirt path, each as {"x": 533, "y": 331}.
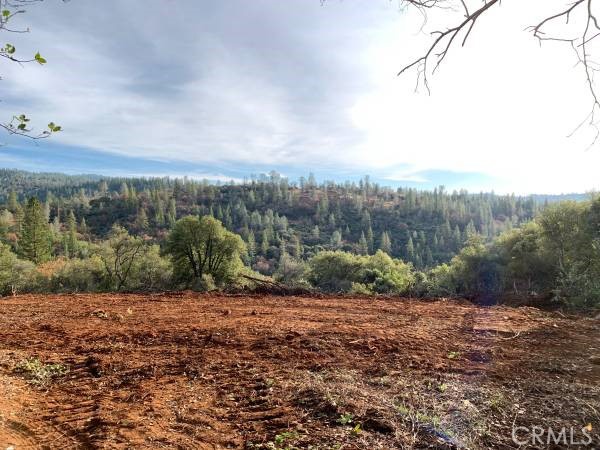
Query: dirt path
{"x": 212, "y": 372}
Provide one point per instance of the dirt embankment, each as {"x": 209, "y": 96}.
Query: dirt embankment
{"x": 210, "y": 372}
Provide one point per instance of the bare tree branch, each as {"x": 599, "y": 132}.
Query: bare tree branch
{"x": 588, "y": 31}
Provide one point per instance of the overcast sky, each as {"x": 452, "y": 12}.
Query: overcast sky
{"x": 227, "y": 88}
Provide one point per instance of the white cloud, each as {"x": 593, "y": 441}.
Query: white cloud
{"x": 309, "y": 87}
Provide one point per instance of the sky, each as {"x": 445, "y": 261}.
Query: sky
{"x": 225, "y": 89}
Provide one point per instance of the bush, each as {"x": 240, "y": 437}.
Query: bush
{"x": 441, "y": 282}
{"x": 334, "y": 271}
{"x": 478, "y": 273}
{"x": 150, "y": 271}
{"x": 292, "y": 272}
{"x": 206, "y": 283}
{"x": 81, "y": 275}
{"x": 344, "y": 272}
{"x": 17, "y": 275}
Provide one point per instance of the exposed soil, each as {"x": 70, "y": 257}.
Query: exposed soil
{"x": 210, "y": 371}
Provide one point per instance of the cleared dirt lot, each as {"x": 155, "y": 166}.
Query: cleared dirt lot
{"x": 199, "y": 371}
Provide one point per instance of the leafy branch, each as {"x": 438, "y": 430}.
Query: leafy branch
{"x": 19, "y": 125}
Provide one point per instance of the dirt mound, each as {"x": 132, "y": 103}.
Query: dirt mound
{"x": 186, "y": 370}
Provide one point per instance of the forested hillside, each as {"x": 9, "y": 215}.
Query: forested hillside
{"x": 64, "y": 234}
{"x": 422, "y": 227}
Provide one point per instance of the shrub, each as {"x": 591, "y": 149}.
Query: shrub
{"x": 150, "y": 271}
{"x": 16, "y": 275}
{"x": 292, "y": 272}
{"x": 81, "y": 275}
{"x": 344, "y": 272}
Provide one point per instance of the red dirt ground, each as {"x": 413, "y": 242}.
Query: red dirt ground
{"x": 193, "y": 371}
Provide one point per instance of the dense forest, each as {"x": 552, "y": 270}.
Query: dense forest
{"x": 293, "y": 231}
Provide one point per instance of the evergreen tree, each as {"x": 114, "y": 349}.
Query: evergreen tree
{"x": 251, "y": 246}
{"x": 83, "y": 226}
{"x": 370, "y": 242}
{"x": 297, "y": 246}
{"x": 124, "y": 190}
{"x": 363, "y": 246}
{"x": 19, "y": 215}
{"x": 13, "y": 202}
{"x": 410, "y": 249}
{"x": 386, "y": 243}
{"x": 316, "y": 233}
{"x": 336, "y": 239}
{"x": 35, "y": 236}
{"x": 71, "y": 236}
{"x": 264, "y": 244}
{"x": 141, "y": 220}
{"x": 172, "y": 215}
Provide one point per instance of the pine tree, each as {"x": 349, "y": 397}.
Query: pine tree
{"x": 264, "y": 244}
{"x": 103, "y": 188}
{"x": 363, "y": 246}
{"x": 83, "y": 226}
{"x": 71, "y": 237}
{"x": 13, "y": 202}
{"x": 297, "y": 247}
{"x": 282, "y": 251}
{"x": 172, "y": 215}
{"x": 35, "y": 236}
{"x": 370, "y": 242}
{"x": 19, "y": 215}
{"x": 124, "y": 190}
{"x": 332, "y": 220}
{"x": 316, "y": 233}
{"x": 251, "y": 246}
{"x": 429, "y": 258}
{"x": 386, "y": 243}
{"x": 141, "y": 220}
{"x": 159, "y": 213}
{"x": 336, "y": 239}
{"x": 456, "y": 238}
{"x": 410, "y": 250}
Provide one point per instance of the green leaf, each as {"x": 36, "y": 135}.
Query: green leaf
{"x": 57, "y": 129}
{"x": 39, "y": 58}
{"x": 21, "y": 126}
{"x": 9, "y": 48}
{"x": 6, "y": 13}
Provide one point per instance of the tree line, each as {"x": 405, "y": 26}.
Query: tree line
{"x": 63, "y": 233}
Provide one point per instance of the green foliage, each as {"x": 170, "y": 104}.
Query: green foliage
{"x": 527, "y": 259}
{"x": 39, "y": 373}
{"x": 119, "y": 256}
{"x": 344, "y": 272}
{"x": 292, "y": 271}
{"x": 40, "y": 60}
{"x": 81, "y": 275}
{"x": 345, "y": 419}
{"x": 35, "y": 238}
{"x": 151, "y": 271}
{"x": 478, "y": 272}
{"x": 15, "y": 275}
{"x": 482, "y": 246}
{"x": 441, "y": 281}
{"x": 204, "y": 246}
